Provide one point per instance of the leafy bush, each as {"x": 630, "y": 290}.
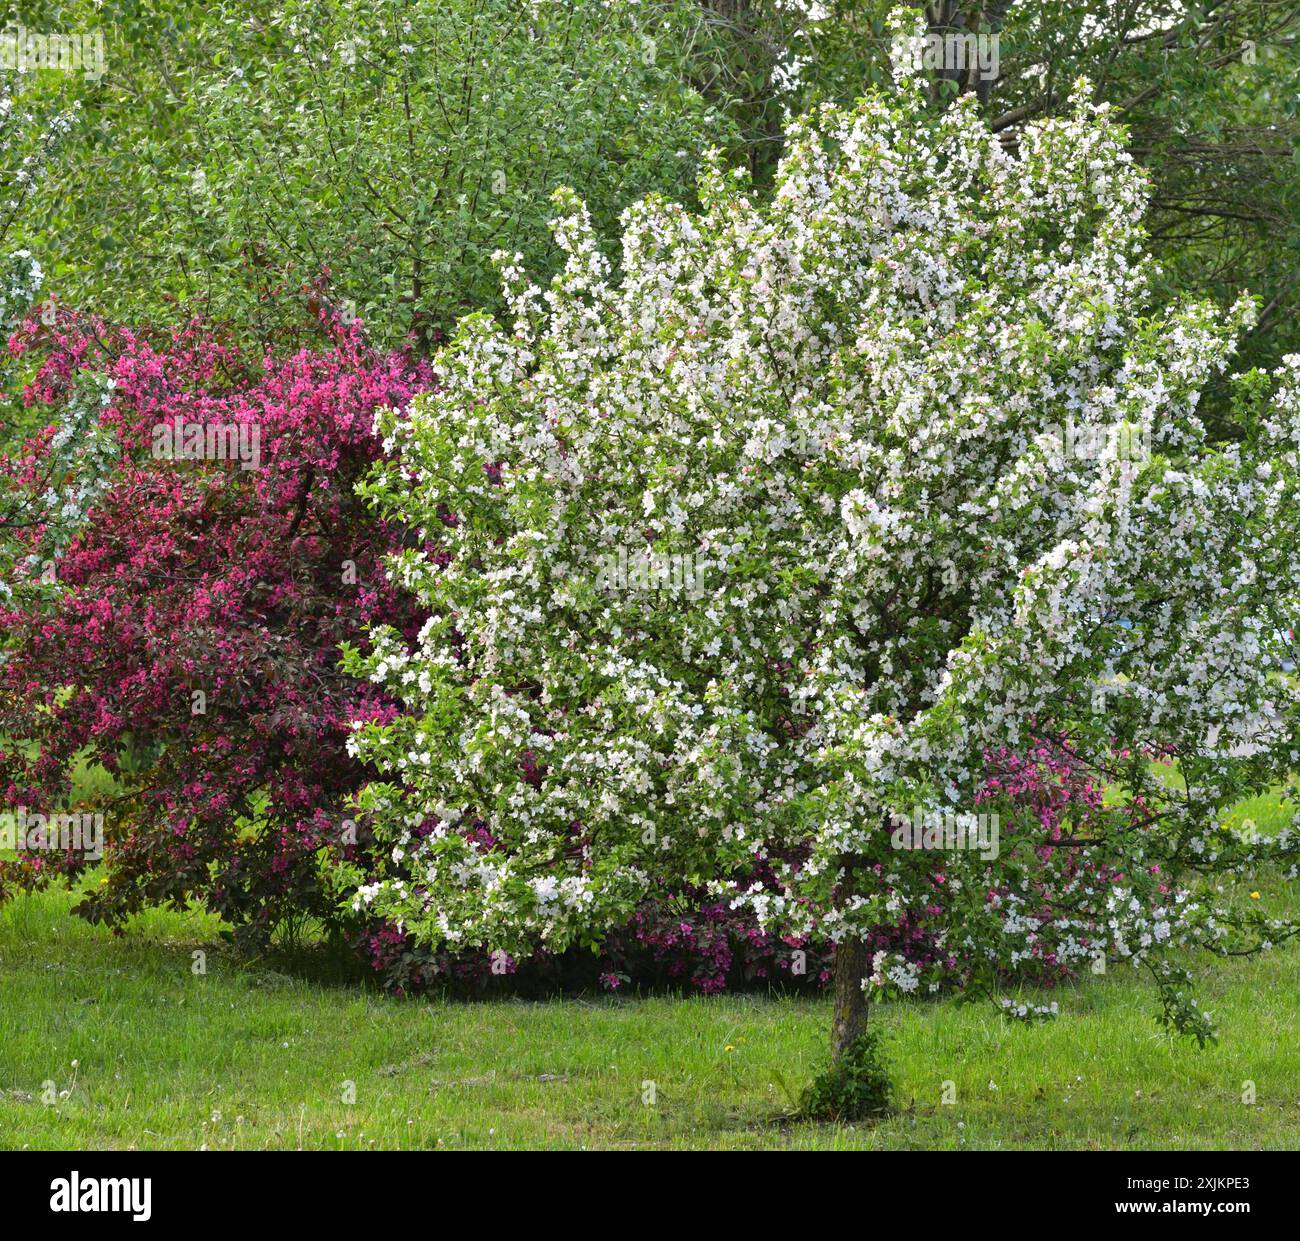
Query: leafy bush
{"x": 854, "y": 1087}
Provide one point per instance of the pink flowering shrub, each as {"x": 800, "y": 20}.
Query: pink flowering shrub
{"x": 681, "y": 942}
{"x": 689, "y": 939}
{"x": 191, "y": 644}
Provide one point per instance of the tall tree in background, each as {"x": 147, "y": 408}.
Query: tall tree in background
{"x": 233, "y": 150}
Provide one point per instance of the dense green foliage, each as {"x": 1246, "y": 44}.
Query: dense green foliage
{"x": 233, "y": 148}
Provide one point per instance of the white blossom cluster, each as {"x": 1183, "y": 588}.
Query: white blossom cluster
{"x": 844, "y": 399}
{"x": 20, "y": 282}
{"x": 1021, "y": 1011}
{"x": 78, "y": 468}
{"x": 80, "y": 454}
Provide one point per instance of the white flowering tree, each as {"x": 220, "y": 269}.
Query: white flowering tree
{"x": 31, "y": 132}
{"x": 778, "y": 535}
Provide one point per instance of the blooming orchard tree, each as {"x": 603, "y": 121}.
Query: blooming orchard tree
{"x": 827, "y": 500}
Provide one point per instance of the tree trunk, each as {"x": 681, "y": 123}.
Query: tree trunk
{"x": 849, "y": 1018}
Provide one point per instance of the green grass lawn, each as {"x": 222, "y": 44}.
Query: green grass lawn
{"x": 144, "y": 1053}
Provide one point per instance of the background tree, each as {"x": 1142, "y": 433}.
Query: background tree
{"x": 235, "y": 149}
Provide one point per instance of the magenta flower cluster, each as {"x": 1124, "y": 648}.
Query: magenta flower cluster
{"x": 193, "y": 648}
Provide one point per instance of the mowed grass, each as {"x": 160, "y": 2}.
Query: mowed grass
{"x": 246, "y": 1057}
